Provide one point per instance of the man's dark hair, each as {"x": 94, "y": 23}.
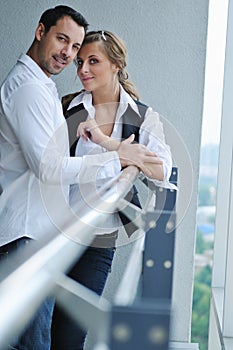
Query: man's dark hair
{"x": 50, "y": 17}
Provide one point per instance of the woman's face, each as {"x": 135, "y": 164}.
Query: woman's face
{"x": 95, "y": 70}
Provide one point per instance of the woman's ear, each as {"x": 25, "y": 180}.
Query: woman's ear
{"x": 40, "y": 31}
{"x": 115, "y": 68}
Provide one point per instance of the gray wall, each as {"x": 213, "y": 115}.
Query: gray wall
{"x": 166, "y": 42}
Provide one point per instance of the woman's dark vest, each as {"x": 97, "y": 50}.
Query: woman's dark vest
{"x": 131, "y": 125}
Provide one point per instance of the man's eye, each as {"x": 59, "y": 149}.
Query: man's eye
{"x": 61, "y": 38}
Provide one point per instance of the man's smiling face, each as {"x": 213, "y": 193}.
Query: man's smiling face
{"x": 58, "y": 47}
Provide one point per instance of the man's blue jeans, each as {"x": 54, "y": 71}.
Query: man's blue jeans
{"x": 91, "y": 271}
{"x": 36, "y": 336}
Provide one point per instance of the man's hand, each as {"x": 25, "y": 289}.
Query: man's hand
{"x": 140, "y": 156}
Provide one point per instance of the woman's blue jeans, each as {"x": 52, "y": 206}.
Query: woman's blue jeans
{"x": 91, "y": 271}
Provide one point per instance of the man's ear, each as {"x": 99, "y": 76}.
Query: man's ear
{"x": 40, "y": 31}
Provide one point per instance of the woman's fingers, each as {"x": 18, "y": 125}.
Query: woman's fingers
{"x": 85, "y": 129}
{"x": 90, "y": 130}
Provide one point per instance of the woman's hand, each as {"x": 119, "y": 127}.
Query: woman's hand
{"x": 129, "y": 154}
{"x": 90, "y": 130}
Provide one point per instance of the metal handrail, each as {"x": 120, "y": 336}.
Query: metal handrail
{"x": 34, "y": 277}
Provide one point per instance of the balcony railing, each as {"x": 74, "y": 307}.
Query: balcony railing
{"x": 139, "y": 316}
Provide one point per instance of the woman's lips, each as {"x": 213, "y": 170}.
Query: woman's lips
{"x": 87, "y": 78}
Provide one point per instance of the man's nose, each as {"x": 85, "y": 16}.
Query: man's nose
{"x": 68, "y": 50}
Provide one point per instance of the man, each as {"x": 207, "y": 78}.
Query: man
{"x": 34, "y": 149}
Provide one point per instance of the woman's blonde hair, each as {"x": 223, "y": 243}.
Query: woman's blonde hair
{"x": 116, "y": 51}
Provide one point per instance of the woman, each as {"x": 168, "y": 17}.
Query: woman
{"x": 112, "y": 112}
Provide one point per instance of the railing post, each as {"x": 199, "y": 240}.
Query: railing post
{"x": 145, "y": 323}
{"x": 158, "y": 256}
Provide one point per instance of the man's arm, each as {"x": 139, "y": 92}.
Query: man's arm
{"x": 41, "y": 131}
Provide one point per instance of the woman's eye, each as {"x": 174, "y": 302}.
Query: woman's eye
{"x": 79, "y": 63}
{"x": 93, "y": 61}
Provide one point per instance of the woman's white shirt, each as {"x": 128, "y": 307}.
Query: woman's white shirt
{"x": 150, "y": 134}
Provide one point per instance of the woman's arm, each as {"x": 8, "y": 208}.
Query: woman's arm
{"x": 151, "y": 134}
{"x": 129, "y": 154}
